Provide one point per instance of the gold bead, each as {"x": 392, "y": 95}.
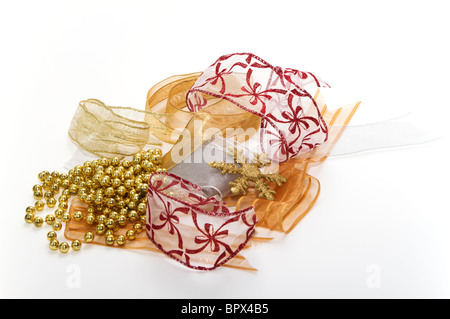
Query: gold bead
{"x": 73, "y": 189}
{"x": 122, "y": 220}
{"x": 145, "y": 155}
{"x": 54, "y": 244}
{"x": 87, "y": 171}
{"x": 98, "y": 199}
{"x": 113, "y": 215}
{"x": 37, "y": 187}
{"x": 54, "y": 188}
{"x": 49, "y": 219}
{"x": 128, "y": 174}
{"x": 76, "y": 245}
{"x": 51, "y": 235}
{"x": 56, "y": 225}
{"x": 29, "y": 218}
{"x": 81, "y": 189}
{"x": 132, "y": 215}
{"x": 100, "y": 228}
{"x": 131, "y": 234}
{"x": 126, "y": 163}
{"x": 138, "y": 228}
{"x": 78, "y": 216}
{"x": 39, "y": 205}
{"x": 38, "y": 221}
{"x": 111, "y": 202}
{"x": 30, "y": 210}
{"x": 89, "y": 198}
{"x": 48, "y": 179}
{"x": 104, "y": 161}
{"x": 158, "y": 152}
{"x": 87, "y": 164}
{"x": 59, "y": 212}
{"x": 109, "y": 191}
{"x": 63, "y": 205}
{"x": 110, "y": 223}
{"x": 110, "y": 240}
{"x": 90, "y": 218}
{"x": 135, "y": 198}
{"x": 137, "y": 168}
{"x": 156, "y": 159}
{"x": 48, "y": 195}
{"x": 109, "y": 232}
{"x": 136, "y": 158}
{"x": 141, "y": 207}
{"x": 51, "y": 202}
{"x": 42, "y": 175}
{"x": 64, "y": 247}
{"x": 116, "y": 174}
{"x": 115, "y": 161}
{"x": 65, "y": 217}
{"x": 96, "y": 178}
{"x": 105, "y": 180}
{"x": 116, "y": 182}
{"x": 89, "y": 237}
{"x": 121, "y": 203}
{"x": 148, "y": 166}
{"x": 77, "y": 170}
{"x": 121, "y": 190}
{"x": 101, "y": 218}
{"x": 120, "y": 240}
{"x": 132, "y": 205}
{"x": 142, "y": 188}
{"x": 65, "y": 183}
{"x": 109, "y": 170}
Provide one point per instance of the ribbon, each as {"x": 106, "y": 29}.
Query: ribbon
{"x": 293, "y": 200}
{"x": 239, "y": 92}
{"x": 198, "y": 231}
{"x": 290, "y": 118}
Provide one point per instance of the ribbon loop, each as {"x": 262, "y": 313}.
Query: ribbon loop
{"x": 195, "y": 230}
{"x": 290, "y": 119}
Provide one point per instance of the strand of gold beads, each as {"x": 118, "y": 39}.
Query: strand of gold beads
{"x": 115, "y": 191}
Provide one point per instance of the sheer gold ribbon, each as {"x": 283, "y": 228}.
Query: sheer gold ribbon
{"x": 117, "y": 131}
{"x": 122, "y": 131}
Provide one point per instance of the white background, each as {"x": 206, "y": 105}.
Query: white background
{"x": 380, "y": 228}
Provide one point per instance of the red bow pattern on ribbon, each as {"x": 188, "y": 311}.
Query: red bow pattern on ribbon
{"x": 197, "y": 231}
{"x": 290, "y": 119}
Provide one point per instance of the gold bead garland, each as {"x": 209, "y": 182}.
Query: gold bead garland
{"x": 115, "y": 191}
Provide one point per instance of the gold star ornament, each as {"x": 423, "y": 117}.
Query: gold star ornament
{"x": 250, "y": 172}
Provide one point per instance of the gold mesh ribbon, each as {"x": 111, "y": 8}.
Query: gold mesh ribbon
{"x": 117, "y": 131}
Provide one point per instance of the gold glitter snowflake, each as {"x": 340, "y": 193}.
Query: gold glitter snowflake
{"x": 250, "y": 174}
